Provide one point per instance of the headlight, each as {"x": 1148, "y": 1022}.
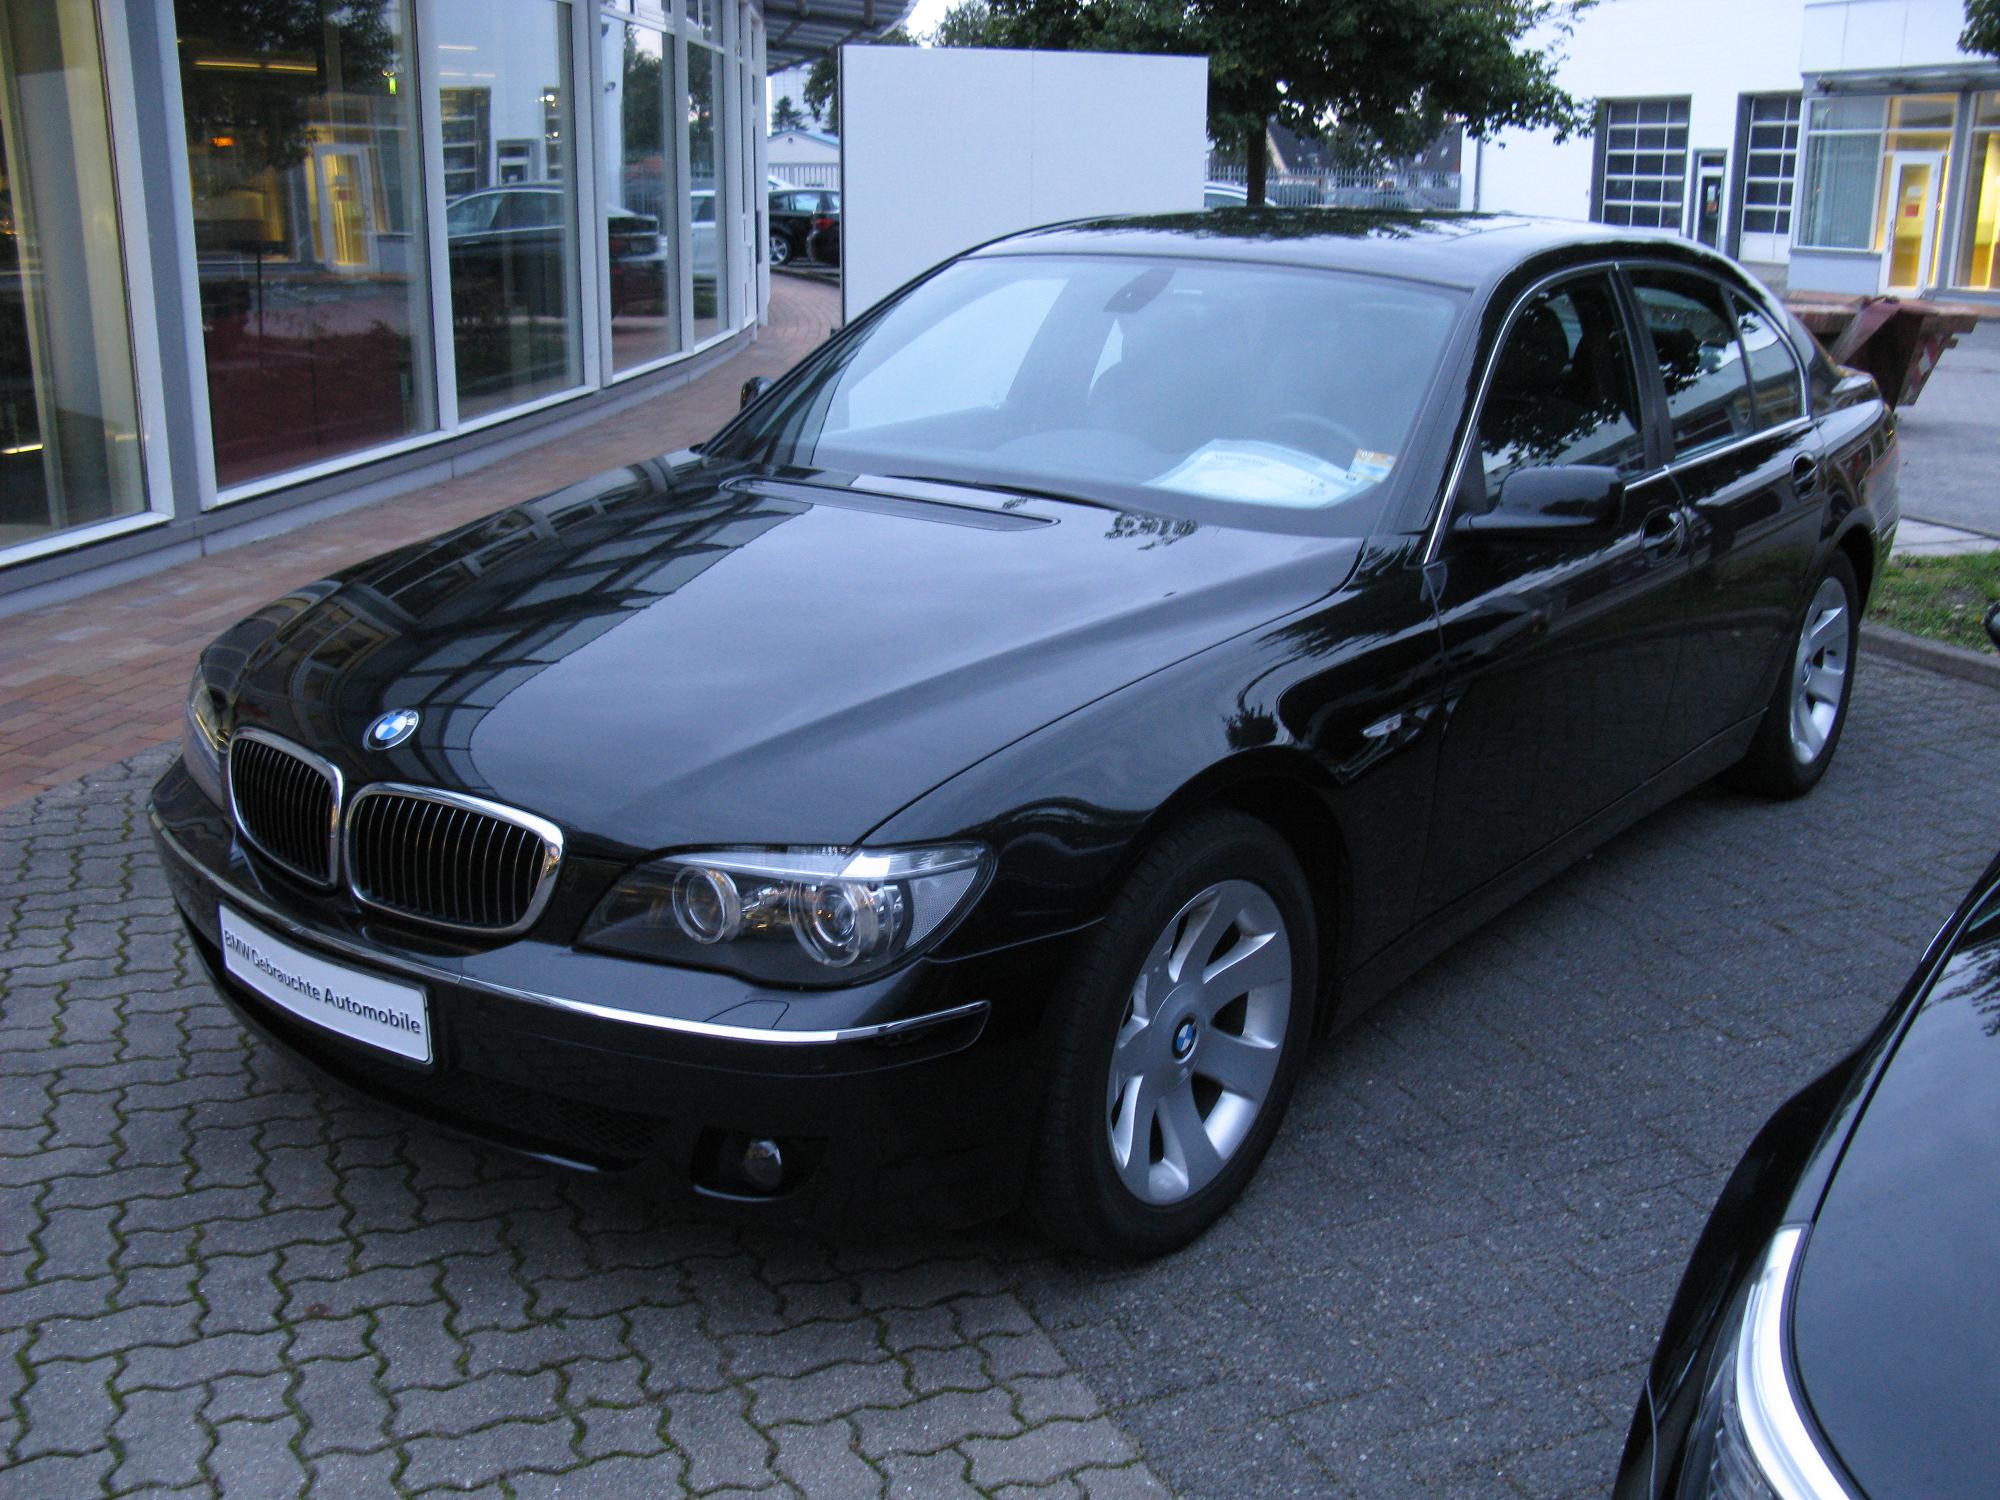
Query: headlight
{"x": 789, "y": 916}
{"x": 1750, "y": 1441}
{"x": 203, "y": 738}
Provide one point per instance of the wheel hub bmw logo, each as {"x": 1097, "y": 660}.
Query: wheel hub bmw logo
{"x": 1184, "y": 1040}
{"x": 391, "y": 729}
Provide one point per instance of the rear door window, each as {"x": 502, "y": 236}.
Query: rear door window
{"x": 1775, "y": 379}
{"x": 1701, "y": 362}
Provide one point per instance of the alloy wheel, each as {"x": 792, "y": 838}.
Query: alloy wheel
{"x": 1819, "y": 671}
{"x": 781, "y": 250}
{"x": 1197, "y": 1051}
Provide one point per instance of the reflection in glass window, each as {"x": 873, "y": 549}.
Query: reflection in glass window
{"x": 511, "y": 238}
{"x": 638, "y": 193}
{"x": 1774, "y": 367}
{"x": 703, "y": 110}
{"x": 69, "y": 441}
{"x": 1701, "y": 364}
{"x": 308, "y": 222}
{"x": 1563, "y": 389}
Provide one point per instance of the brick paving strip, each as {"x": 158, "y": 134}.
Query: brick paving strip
{"x": 217, "y": 1277}
{"x": 89, "y": 682}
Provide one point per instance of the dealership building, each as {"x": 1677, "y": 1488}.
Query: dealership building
{"x": 1845, "y": 145}
{"x": 260, "y": 262}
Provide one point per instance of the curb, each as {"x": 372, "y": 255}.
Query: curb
{"x": 1932, "y": 656}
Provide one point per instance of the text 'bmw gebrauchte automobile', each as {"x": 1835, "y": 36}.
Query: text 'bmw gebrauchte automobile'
{"x": 980, "y": 771}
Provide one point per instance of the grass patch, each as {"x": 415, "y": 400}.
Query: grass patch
{"x": 1944, "y": 598}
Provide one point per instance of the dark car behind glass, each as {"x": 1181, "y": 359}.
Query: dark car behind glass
{"x": 799, "y": 216}
{"x": 981, "y": 770}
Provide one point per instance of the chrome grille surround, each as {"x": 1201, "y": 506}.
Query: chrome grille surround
{"x": 275, "y": 789}
{"x": 448, "y": 859}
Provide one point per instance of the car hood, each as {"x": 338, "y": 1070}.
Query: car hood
{"x": 680, "y": 654}
{"x": 1896, "y": 1330}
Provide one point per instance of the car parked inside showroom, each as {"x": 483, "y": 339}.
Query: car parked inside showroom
{"x": 978, "y": 773}
{"x": 1834, "y": 1334}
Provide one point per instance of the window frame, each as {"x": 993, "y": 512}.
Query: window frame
{"x": 1660, "y": 457}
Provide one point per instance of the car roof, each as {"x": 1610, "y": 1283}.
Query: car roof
{"x": 1464, "y": 250}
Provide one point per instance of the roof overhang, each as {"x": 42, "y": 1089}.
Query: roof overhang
{"x": 797, "y": 31}
{"x": 1947, "y": 78}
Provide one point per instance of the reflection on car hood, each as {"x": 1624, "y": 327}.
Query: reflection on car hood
{"x": 1896, "y": 1328}
{"x": 668, "y": 656}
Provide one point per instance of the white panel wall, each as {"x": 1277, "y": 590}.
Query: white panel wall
{"x": 1054, "y": 135}
{"x": 1641, "y": 48}
{"x": 1880, "y": 34}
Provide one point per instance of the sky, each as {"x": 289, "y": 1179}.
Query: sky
{"x": 926, "y": 16}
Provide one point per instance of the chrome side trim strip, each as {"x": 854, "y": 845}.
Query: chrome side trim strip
{"x": 712, "y": 1030}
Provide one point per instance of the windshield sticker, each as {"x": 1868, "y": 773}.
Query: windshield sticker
{"x": 1373, "y": 466}
{"x": 1264, "y": 474}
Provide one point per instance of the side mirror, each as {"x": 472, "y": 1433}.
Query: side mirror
{"x": 754, "y": 387}
{"x": 1578, "y": 500}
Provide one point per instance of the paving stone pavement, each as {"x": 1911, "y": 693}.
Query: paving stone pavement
{"x": 217, "y": 1276}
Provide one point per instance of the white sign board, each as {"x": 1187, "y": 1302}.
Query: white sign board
{"x": 945, "y": 147}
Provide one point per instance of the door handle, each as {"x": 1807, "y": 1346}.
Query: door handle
{"x": 1663, "y": 533}
{"x": 1805, "y": 475}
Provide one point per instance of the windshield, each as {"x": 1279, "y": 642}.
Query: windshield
{"x": 1146, "y": 384}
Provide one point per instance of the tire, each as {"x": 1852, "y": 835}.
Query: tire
{"x": 1808, "y": 707}
{"x": 781, "y": 250}
{"x": 1134, "y": 1035}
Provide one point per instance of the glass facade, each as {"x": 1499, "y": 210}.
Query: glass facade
{"x": 705, "y": 189}
{"x": 510, "y": 237}
{"x": 637, "y": 153}
{"x": 1877, "y": 174}
{"x": 303, "y": 165}
{"x": 69, "y": 424}
{"x": 1982, "y": 211}
{"x": 396, "y": 237}
{"x": 265, "y": 247}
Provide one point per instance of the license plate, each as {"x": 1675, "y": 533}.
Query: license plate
{"x": 333, "y": 997}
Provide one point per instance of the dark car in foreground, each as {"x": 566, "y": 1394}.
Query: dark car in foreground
{"x": 983, "y": 767}
{"x": 1836, "y": 1335}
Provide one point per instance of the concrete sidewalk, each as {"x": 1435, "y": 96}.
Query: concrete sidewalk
{"x": 97, "y": 679}
{"x": 1951, "y": 446}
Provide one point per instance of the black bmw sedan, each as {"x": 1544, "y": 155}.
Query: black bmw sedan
{"x": 1836, "y": 1335}
{"x": 979, "y": 771}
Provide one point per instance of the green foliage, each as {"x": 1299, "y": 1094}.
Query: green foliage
{"x": 823, "y": 82}
{"x": 1982, "y": 27}
{"x": 786, "y": 115}
{"x": 1387, "y": 74}
{"x": 1944, "y": 598}
{"x": 966, "y": 23}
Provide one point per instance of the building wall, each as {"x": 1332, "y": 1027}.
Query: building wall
{"x": 1643, "y": 49}
{"x": 109, "y": 464}
{"x": 1845, "y": 35}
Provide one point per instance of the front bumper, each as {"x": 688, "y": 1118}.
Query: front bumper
{"x": 912, "y": 1095}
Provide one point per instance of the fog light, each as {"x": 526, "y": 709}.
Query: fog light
{"x": 764, "y": 1165}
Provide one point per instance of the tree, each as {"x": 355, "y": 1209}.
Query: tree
{"x": 966, "y": 23}
{"x": 1982, "y": 27}
{"x": 786, "y": 115}
{"x": 1387, "y": 74}
{"x": 823, "y": 82}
